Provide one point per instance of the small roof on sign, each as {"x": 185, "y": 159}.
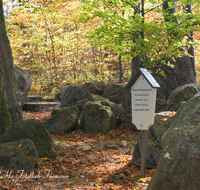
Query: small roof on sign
{"x": 146, "y": 74}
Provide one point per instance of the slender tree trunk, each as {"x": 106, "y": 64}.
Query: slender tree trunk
{"x": 136, "y": 62}
{"x": 120, "y": 70}
{"x": 9, "y": 71}
{"x": 191, "y": 48}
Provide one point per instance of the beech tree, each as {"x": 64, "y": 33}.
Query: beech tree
{"x": 10, "y": 110}
{"x": 130, "y": 29}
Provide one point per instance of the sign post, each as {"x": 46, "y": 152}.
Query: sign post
{"x": 143, "y": 99}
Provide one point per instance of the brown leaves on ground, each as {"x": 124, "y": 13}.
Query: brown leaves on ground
{"x": 74, "y": 168}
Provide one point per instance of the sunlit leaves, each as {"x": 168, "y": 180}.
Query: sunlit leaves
{"x": 164, "y": 38}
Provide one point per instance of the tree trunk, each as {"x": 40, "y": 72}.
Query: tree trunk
{"x": 135, "y": 64}
{"x": 120, "y": 70}
{"x": 9, "y": 71}
{"x": 191, "y": 48}
{"x": 5, "y": 119}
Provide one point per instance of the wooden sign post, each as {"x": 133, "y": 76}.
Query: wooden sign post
{"x": 143, "y": 99}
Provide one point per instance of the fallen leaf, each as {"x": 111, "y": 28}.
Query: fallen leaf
{"x": 20, "y": 145}
{"x": 197, "y": 123}
{"x": 164, "y": 119}
{"x": 167, "y": 102}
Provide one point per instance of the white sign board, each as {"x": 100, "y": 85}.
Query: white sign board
{"x": 143, "y": 98}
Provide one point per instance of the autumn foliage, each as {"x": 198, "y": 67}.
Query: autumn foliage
{"x": 47, "y": 41}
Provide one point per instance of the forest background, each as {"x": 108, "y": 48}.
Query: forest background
{"x": 48, "y": 41}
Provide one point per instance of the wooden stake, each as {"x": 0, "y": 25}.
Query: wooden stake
{"x": 143, "y": 156}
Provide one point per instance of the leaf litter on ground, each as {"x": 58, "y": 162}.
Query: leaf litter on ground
{"x": 100, "y": 167}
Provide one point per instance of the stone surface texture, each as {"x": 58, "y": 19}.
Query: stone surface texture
{"x": 179, "y": 162}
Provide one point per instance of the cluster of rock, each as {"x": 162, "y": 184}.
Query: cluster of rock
{"x": 172, "y": 142}
{"x": 22, "y": 144}
{"x": 77, "y": 102}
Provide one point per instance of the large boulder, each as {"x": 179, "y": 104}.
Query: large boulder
{"x": 182, "y": 73}
{"x": 162, "y": 123}
{"x": 179, "y": 162}
{"x": 114, "y": 92}
{"x": 117, "y": 110}
{"x": 97, "y": 118}
{"x": 73, "y": 94}
{"x": 24, "y": 84}
{"x": 180, "y": 94}
{"x": 126, "y": 120}
{"x": 63, "y": 120}
{"x": 31, "y": 129}
{"x": 126, "y": 99}
{"x": 61, "y": 91}
{"x": 19, "y": 155}
{"x": 95, "y": 87}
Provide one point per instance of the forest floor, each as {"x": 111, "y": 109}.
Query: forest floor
{"x": 107, "y": 165}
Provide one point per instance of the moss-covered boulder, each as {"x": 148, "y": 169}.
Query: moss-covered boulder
{"x": 30, "y": 129}
{"x": 117, "y": 110}
{"x": 63, "y": 120}
{"x": 126, "y": 99}
{"x": 114, "y": 92}
{"x": 153, "y": 145}
{"x": 73, "y": 94}
{"x": 126, "y": 120}
{"x": 19, "y": 155}
{"x": 95, "y": 87}
{"x": 181, "y": 94}
{"x": 179, "y": 162}
{"x": 97, "y": 118}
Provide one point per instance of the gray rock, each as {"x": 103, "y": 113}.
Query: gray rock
{"x": 63, "y": 120}
{"x": 117, "y": 110}
{"x": 114, "y": 92}
{"x": 126, "y": 99}
{"x": 182, "y": 93}
{"x": 117, "y": 95}
{"x": 24, "y": 84}
{"x": 123, "y": 143}
{"x": 19, "y": 155}
{"x": 95, "y": 87}
{"x": 86, "y": 147}
{"x": 112, "y": 146}
{"x": 194, "y": 88}
{"x": 31, "y": 129}
{"x": 160, "y": 105}
{"x": 81, "y": 103}
{"x": 61, "y": 91}
{"x": 126, "y": 120}
{"x": 179, "y": 162}
{"x": 34, "y": 99}
{"x": 73, "y": 94}
{"x": 153, "y": 144}
{"x": 97, "y": 118}
{"x": 182, "y": 73}
{"x": 37, "y": 106}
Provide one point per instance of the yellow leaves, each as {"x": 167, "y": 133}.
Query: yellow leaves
{"x": 20, "y": 145}
{"x": 171, "y": 114}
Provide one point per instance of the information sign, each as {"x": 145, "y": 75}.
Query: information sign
{"x": 143, "y": 98}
